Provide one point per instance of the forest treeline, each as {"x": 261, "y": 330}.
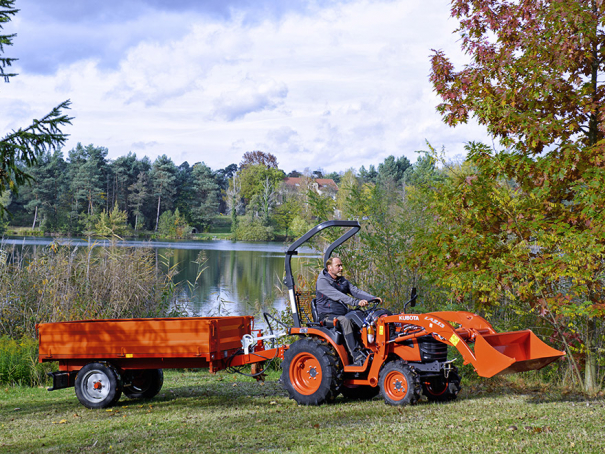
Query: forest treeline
{"x": 85, "y": 193}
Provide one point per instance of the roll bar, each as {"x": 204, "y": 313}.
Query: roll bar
{"x": 292, "y": 250}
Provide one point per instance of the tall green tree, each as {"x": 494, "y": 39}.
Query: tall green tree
{"x": 369, "y": 175}
{"x": 88, "y": 172}
{"x": 163, "y": 178}
{"x": 184, "y": 198}
{"x": 527, "y": 220}
{"x": 205, "y": 195}
{"x": 22, "y": 147}
{"x": 285, "y": 213}
{"x": 47, "y": 198}
{"x": 254, "y": 177}
{"x": 391, "y": 171}
{"x": 535, "y": 78}
{"x": 123, "y": 173}
{"x": 140, "y": 192}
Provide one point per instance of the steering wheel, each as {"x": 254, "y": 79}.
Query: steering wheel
{"x": 370, "y": 307}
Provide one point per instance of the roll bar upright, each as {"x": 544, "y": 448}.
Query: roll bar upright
{"x": 354, "y": 227}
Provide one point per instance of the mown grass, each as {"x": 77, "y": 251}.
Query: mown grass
{"x": 199, "y": 412}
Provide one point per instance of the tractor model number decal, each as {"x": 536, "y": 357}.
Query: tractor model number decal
{"x": 408, "y": 317}
{"x": 436, "y": 322}
{"x": 381, "y": 330}
{"x": 454, "y": 340}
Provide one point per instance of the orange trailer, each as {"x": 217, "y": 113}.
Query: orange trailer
{"x": 105, "y": 358}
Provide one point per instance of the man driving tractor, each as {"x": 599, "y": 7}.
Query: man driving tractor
{"x": 332, "y": 300}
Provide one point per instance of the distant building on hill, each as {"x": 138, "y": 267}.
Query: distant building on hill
{"x": 323, "y": 186}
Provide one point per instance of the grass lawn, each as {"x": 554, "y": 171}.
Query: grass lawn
{"x": 199, "y": 412}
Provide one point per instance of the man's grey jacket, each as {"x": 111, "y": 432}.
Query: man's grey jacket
{"x": 332, "y": 295}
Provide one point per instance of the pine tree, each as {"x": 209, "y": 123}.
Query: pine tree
{"x": 24, "y": 146}
{"x": 139, "y": 193}
{"x": 205, "y": 195}
{"x": 163, "y": 179}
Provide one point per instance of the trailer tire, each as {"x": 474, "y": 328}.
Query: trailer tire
{"x": 98, "y": 385}
{"x": 361, "y": 392}
{"x": 399, "y": 384}
{"x": 144, "y": 384}
{"x": 311, "y": 372}
{"x": 440, "y": 389}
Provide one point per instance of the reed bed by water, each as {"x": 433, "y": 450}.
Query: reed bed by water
{"x": 61, "y": 283}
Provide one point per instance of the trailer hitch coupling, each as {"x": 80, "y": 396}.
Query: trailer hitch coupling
{"x": 249, "y": 341}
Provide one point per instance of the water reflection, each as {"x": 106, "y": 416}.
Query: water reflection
{"x": 214, "y": 277}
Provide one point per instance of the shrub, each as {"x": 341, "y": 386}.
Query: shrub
{"x": 252, "y": 229}
{"x": 173, "y": 225}
{"x": 19, "y": 362}
{"x": 299, "y": 227}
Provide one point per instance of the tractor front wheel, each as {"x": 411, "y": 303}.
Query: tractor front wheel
{"x": 312, "y": 372}
{"x": 399, "y": 384}
{"x": 440, "y": 389}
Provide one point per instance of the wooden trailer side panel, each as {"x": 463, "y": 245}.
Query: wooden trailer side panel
{"x": 195, "y": 337}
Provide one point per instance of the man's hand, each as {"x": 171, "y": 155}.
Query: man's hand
{"x": 364, "y": 303}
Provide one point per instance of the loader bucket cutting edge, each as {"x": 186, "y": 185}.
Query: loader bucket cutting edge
{"x": 507, "y": 353}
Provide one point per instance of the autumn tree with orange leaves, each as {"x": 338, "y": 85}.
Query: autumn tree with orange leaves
{"x": 527, "y": 224}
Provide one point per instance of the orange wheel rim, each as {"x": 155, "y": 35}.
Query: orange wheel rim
{"x": 305, "y": 373}
{"x": 396, "y": 386}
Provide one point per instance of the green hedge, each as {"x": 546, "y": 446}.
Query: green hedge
{"x": 19, "y": 362}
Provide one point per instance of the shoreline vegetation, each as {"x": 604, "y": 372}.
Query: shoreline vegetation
{"x": 221, "y": 230}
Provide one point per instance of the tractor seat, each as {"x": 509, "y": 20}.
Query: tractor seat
{"x": 334, "y": 331}
{"x": 314, "y": 311}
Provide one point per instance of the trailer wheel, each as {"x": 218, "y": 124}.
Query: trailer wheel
{"x": 440, "y": 389}
{"x": 399, "y": 384}
{"x": 312, "y": 372}
{"x": 361, "y": 392}
{"x": 144, "y": 384}
{"x": 98, "y": 385}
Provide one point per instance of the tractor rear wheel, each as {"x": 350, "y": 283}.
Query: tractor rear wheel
{"x": 440, "y": 389}
{"x": 399, "y": 384}
{"x": 98, "y": 385}
{"x": 143, "y": 383}
{"x": 312, "y": 372}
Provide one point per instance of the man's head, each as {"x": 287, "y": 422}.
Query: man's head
{"x": 334, "y": 267}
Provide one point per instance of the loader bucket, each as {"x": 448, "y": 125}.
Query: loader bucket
{"x": 508, "y": 353}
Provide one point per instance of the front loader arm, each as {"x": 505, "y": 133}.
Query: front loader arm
{"x": 429, "y": 324}
{"x": 493, "y": 354}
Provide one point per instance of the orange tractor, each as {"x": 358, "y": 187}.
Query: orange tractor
{"x": 408, "y": 352}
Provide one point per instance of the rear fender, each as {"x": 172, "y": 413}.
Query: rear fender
{"x": 340, "y": 349}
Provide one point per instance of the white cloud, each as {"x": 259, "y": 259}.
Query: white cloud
{"x": 339, "y": 85}
{"x": 248, "y": 97}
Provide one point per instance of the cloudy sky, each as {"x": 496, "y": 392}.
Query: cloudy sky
{"x": 328, "y": 84}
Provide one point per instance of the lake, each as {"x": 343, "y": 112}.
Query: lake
{"x": 237, "y": 278}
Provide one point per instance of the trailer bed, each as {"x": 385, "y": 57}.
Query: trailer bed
{"x": 144, "y": 343}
